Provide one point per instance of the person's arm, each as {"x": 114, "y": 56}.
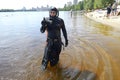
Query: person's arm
{"x": 64, "y": 33}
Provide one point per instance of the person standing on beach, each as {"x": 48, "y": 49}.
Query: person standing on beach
{"x": 109, "y": 10}
{"x": 114, "y": 8}
{"x": 71, "y": 11}
{"x": 53, "y": 26}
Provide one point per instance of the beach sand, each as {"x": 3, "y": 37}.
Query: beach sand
{"x": 100, "y": 16}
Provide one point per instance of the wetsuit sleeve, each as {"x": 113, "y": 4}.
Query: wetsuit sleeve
{"x": 64, "y": 31}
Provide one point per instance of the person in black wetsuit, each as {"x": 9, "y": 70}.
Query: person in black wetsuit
{"x": 109, "y": 10}
{"x": 53, "y": 26}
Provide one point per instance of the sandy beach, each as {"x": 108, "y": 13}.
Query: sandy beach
{"x": 100, "y": 16}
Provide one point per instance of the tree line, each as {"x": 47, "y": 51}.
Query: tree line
{"x": 89, "y": 5}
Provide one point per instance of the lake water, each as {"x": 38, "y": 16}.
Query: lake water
{"x": 93, "y": 48}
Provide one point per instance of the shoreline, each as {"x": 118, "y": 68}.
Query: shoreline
{"x": 113, "y": 21}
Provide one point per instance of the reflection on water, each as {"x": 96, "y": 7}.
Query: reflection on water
{"x": 93, "y": 51}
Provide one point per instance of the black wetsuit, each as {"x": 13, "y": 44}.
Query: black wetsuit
{"x": 54, "y": 43}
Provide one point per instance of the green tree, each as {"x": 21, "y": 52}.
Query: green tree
{"x": 102, "y": 3}
{"x": 81, "y": 3}
{"x": 89, "y": 5}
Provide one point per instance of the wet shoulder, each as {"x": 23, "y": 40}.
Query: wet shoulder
{"x": 60, "y": 19}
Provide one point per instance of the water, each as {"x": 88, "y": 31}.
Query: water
{"x": 93, "y": 49}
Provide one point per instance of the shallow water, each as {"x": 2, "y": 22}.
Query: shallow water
{"x": 93, "y": 48}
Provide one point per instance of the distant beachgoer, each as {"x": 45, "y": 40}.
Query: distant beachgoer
{"x": 71, "y": 12}
{"x": 114, "y": 8}
{"x": 109, "y": 10}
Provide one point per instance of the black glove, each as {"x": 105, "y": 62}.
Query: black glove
{"x": 44, "y": 25}
{"x": 66, "y": 43}
{"x": 43, "y": 22}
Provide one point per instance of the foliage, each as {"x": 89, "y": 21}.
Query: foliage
{"x": 89, "y": 5}
{"x": 6, "y": 10}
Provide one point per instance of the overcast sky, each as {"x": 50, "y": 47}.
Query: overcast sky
{"x": 18, "y": 4}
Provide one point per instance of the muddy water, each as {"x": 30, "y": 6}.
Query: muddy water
{"x": 93, "y": 51}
